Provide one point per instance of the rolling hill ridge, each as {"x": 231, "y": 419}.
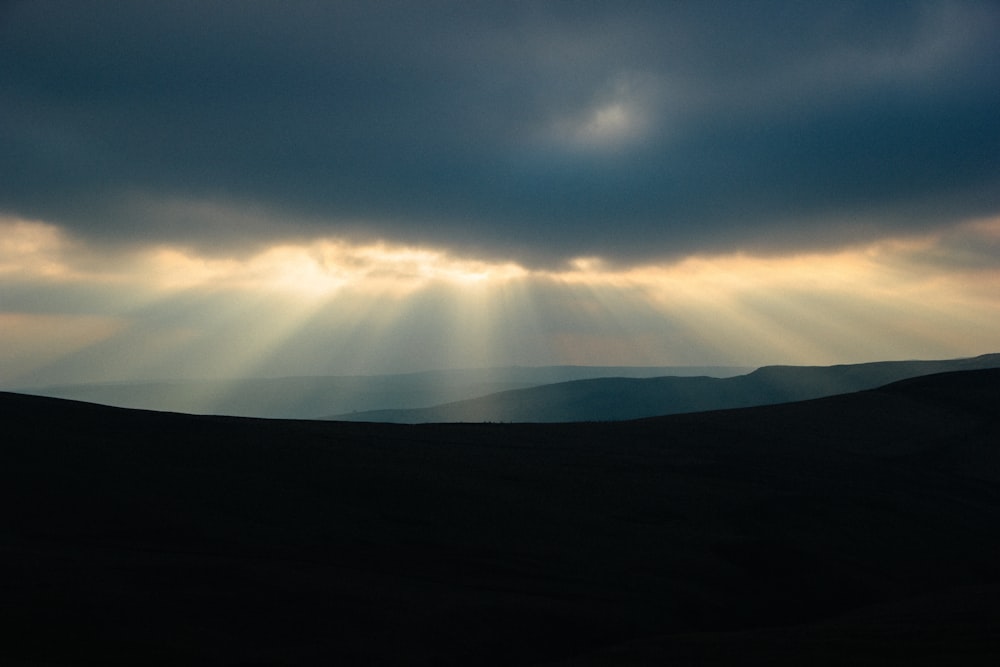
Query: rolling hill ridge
{"x": 603, "y": 399}
{"x": 314, "y": 397}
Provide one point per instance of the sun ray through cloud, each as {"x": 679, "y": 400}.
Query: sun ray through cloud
{"x": 357, "y": 308}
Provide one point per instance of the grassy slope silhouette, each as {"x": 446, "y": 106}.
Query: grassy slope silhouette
{"x": 854, "y": 528}
{"x": 602, "y": 399}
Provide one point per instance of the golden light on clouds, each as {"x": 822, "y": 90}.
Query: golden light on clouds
{"x": 31, "y": 249}
{"x": 322, "y": 268}
{"x": 37, "y": 250}
{"x": 933, "y": 295}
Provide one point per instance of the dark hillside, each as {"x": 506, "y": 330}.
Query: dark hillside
{"x": 852, "y": 529}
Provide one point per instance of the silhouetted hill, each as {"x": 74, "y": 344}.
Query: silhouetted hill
{"x": 854, "y": 529}
{"x": 623, "y": 398}
{"x": 316, "y": 397}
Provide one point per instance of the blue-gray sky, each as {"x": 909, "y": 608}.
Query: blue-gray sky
{"x": 512, "y": 134}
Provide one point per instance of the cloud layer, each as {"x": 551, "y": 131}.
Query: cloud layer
{"x": 530, "y": 132}
{"x": 74, "y": 312}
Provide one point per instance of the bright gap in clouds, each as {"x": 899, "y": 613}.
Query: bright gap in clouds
{"x": 74, "y": 313}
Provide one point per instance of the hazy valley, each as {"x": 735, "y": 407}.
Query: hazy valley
{"x": 319, "y": 397}
{"x": 512, "y": 394}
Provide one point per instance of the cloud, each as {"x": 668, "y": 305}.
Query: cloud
{"x": 73, "y": 311}
{"x": 533, "y": 133}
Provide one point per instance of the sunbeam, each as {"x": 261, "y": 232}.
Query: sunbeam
{"x": 73, "y": 313}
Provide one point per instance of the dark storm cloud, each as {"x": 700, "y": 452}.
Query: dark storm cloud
{"x": 538, "y": 131}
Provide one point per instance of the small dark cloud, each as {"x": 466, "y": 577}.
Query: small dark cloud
{"x": 969, "y": 249}
{"x": 533, "y": 131}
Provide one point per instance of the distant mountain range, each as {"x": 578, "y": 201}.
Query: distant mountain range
{"x": 512, "y": 394}
{"x": 854, "y": 529}
{"x": 605, "y": 399}
{"x": 315, "y": 397}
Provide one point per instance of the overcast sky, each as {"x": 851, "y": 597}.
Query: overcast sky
{"x": 537, "y": 182}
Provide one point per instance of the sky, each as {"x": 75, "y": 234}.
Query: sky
{"x": 219, "y": 189}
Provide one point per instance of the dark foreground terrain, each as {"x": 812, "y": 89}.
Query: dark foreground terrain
{"x": 856, "y": 529}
